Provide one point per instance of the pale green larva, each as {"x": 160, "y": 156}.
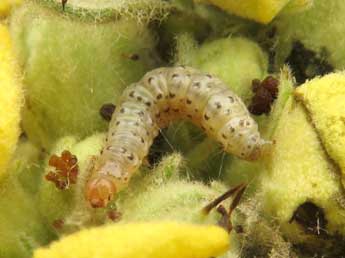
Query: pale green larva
{"x": 163, "y": 95}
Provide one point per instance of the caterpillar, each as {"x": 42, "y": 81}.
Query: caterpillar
{"x": 161, "y": 96}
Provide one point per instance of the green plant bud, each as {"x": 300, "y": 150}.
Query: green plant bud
{"x": 180, "y": 200}
{"x": 27, "y": 166}
{"x": 73, "y": 66}
{"x": 306, "y": 40}
{"x": 68, "y": 205}
{"x": 161, "y": 195}
{"x": 21, "y": 225}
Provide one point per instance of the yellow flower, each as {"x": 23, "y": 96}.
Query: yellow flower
{"x": 10, "y": 100}
{"x": 299, "y": 171}
{"x": 6, "y": 6}
{"x": 145, "y": 240}
{"x": 259, "y": 10}
{"x": 324, "y": 98}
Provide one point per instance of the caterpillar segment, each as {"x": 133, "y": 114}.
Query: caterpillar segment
{"x": 161, "y": 96}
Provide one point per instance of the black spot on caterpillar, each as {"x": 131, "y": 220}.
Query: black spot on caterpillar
{"x": 173, "y": 93}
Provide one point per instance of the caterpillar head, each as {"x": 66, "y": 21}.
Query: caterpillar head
{"x": 100, "y": 191}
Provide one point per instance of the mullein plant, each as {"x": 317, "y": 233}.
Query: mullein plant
{"x": 75, "y": 59}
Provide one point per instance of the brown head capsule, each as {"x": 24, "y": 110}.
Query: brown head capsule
{"x": 100, "y": 191}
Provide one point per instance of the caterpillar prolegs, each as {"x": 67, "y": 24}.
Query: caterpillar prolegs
{"x": 163, "y": 95}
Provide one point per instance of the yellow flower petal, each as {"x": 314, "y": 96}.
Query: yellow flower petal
{"x": 10, "y": 100}
{"x": 324, "y": 98}
{"x": 259, "y": 10}
{"x": 145, "y": 240}
{"x": 298, "y": 172}
{"x": 6, "y": 6}
{"x": 295, "y": 172}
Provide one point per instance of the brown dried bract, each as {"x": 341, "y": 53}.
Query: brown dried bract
{"x": 225, "y": 220}
{"x": 271, "y": 84}
{"x": 66, "y": 170}
{"x": 266, "y": 92}
{"x": 223, "y": 197}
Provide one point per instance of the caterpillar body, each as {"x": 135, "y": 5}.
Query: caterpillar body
{"x": 161, "y": 96}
